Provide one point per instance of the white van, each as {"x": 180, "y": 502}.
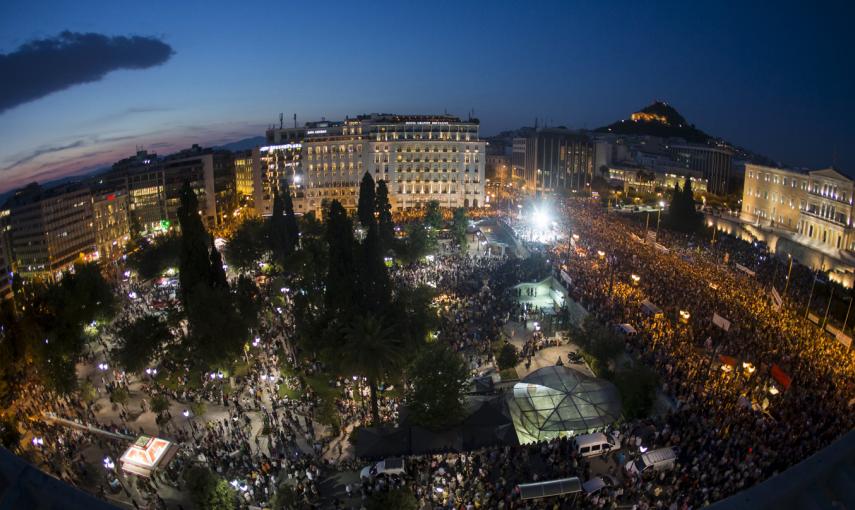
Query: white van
{"x": 591, "y": 445}
{"x": 662, "y": 459}
{"x": 391, "y": 466}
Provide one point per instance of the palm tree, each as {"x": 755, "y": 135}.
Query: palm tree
{"x": 373, "y": 351}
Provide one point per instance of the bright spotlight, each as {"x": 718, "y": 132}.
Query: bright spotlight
{"x": 540, "y": 219}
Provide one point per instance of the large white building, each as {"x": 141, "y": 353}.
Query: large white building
{"x": 421, "y": 158}
{"x": 817, "y": 206}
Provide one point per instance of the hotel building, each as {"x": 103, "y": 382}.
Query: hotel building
{"x": 421, "y": 157}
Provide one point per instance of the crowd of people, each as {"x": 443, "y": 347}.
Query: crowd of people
{"x": 750, "y": 399}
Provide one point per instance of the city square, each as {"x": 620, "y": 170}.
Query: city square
{"x": 408, "y": 311}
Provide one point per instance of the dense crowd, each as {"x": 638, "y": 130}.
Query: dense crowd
{"x": 733, "y": 423}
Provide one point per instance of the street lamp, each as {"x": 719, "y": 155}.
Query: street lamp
{"x": 658, "y": 217}
{"x": 635, "y": 279}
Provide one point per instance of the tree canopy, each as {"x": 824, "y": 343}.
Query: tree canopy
{"x": 139, "y": 340}
{"x": 436, "y": 384}
{"x": 367, "y": 197}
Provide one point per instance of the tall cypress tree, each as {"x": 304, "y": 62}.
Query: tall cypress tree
{"x": 340, "y": 294}
{"x": 674, "y": 210}
{"x": 365, "y": 208}
{"x": 693, "y": 218}
{"x": 194, "y": 266}
{"x": 292, "y": 231}
{"x": 217, "y": 277}
{"x": 385, "y": 224}
{"x": 277, "y": 230}
{"x": 373, "y": 276}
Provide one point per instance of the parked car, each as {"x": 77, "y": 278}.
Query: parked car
{"x": 598, "y": 483}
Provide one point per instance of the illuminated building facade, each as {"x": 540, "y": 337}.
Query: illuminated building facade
{"x": 817, "y": 206}
{"x": 112, "y": 229}
{"x": 243, "y": 177}
{"x": 140, "y": 177}
{"x": 421, "y": 157}
{"x": 637, "y": 179}
{"x": 211, "y": 174}
{"x": 51, "y": 229}
{"x": 6, "y": 267}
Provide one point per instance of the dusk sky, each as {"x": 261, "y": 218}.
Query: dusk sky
{"x": 82, "y": 84}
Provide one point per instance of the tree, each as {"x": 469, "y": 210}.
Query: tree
{"x": 373, "y": 351}
{"x": 120, "y": 396}
{"x": 207, "y": 490}
{"x": 150, "y": 260}
{"x": 217, "y": 331}
{"x": 248, "y": 301}
{"x": 436, "y": 383}
{"x": 459, "y": 224}
{"x": 159, "y": 404}
{"x": 366, "y": 205}
{"x": 507, "y": 357}
{"x": 419, "y": 243}
{"x": 217, "y": 278}
{"x": 286, "y": 498}
{"x": 682, "y": 214}
{"x": 433, "y": 216}
{"x": 56, "y": 315}
{"x": 384, "y": 216}
{"x": 340, "y": 294}
{"x": 401, "y": 498}
{"x": 277, "y": 230}
{"x": 373, "y": 274}
{"x": 637, "y": 386}
{"x": 247, "y": 245}
{"x": 292, "y": 230}
{"x": 194, "y": 266}
{"x": 138, "y": 341}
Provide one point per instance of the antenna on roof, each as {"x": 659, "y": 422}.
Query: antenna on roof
{"x": 280, "y": 120}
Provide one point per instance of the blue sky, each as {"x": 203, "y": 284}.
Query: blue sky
{"x": 775, "y": 77}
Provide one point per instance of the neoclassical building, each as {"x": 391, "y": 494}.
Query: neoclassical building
{"x": 816, "y": 206}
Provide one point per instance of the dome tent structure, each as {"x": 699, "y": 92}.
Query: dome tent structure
{"x": 558, "y": 401}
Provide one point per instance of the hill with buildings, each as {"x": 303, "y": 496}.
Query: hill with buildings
{"x": 658, "y": 119}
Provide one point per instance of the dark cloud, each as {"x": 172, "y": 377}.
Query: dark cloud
{"x": 44, "y": 66}
{"x": 42, "y": 151}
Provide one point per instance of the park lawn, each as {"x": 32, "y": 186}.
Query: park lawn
{"x": 286, "y": 391}
{"x": 509, "y": 374}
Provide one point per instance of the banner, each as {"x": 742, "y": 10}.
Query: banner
{"x": 727, "y": 360}
{"x": 636, "y": 238}
{"x": 720, "y": 321}
{"x": 650, "y": 236}
{"x": 844, "y": 339}
{"x": 745, "y": 270}
{"x": 660, "y": 247}
{"x": 813, "y": 318}
{"x": 566, "y": 277}
{"x": 782, "y": 377}
{"x": 777, "y": 298}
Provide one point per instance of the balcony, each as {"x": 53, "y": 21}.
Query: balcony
{"x": 823, "y": 218}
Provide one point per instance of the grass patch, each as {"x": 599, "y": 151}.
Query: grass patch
{"x": 286, "y": 391}
{"x": 509, "y": 374}
{"x": 240, "y": 369}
